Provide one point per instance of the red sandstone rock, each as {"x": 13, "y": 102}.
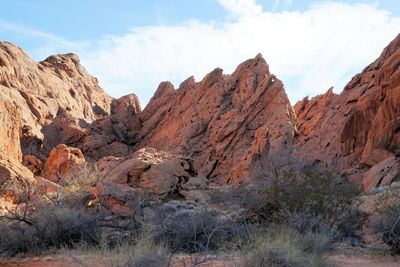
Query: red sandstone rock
{"x": 61, "y": 164}
{"x": 118, "y": 198}
{"x": 34, "y": 164}
{"x": 33, "y": 94}
{"x": 16, "y": 181}
{"x": 221, "y": 122}
{"x": 381, "y": 174}
{"x": 44, "y": 186}
{"x": 223, "y": 129}
{"x": 160, "y": 172}
{"x": 358, "y": 128}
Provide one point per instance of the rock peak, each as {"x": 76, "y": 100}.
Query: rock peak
{"x": 58, "y": 58}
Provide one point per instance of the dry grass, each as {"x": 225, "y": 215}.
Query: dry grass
{"x": 285, "y": 247}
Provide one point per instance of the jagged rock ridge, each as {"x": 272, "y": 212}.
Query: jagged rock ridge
{"x": 225, "y": 129}
{"x": 358, "y": 129}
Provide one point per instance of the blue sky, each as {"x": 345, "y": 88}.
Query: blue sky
{"x": 131, "y": 46}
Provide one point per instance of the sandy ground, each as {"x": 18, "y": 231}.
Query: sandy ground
{"x": 340, "y": 260}
{"x": 364, "y": 261}
{"x": 65, "y": 261}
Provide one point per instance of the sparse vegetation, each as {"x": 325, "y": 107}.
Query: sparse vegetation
{"x": 148, "y": 254}
{"x": 291, "y": 222}
{"x": 284, "y": 247}
{"x": 308, "y": 202}
{"x": 49, "y": 227}
{"x": 387, "y": 226}
{"x": 188, "y": 228}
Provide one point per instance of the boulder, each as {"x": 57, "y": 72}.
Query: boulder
{"x": 16, "y": 181}
{"x": 34, "y": 164}
{"x": 120, "y": 199}
{"x": 382, "y": 174}
{"x": 62, "y": 164}
{"x": 158, "y": 172}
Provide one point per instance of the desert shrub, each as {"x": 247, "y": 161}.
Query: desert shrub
{"x": 15, "y": 238}
{"x": 284, "y": 247}
{"x": 148, "y": 254}
{"x": 49, "y": 225}
{"x": 62, "y": 225}
{"x": 387, "y": 226}
{"x": 349, "y": 225}
{"x": 184, "y": 227}
{"x": 54, "y": 227}
{"x": 314, "y": 243}
{"x": 312, "y": 202}
{"x": 304, "y": 222}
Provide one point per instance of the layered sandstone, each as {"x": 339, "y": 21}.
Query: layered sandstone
{"x": 32, "y": 95}
{"x": 224, "y": 129}
{"x": 358, "y": 129}
{"x": 232, "y": 126}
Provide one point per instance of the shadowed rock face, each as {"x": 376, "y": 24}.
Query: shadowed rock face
{"x": 358, "y": 129}
{"x": 227, "y": 128}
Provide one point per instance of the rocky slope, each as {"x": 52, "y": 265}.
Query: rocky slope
{"x": 224, "y": 129}
{"x": 230, "y": 125}
{"x": 358, "y": 131}
{"x": 32, "y": 96}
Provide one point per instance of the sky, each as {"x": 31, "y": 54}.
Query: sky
{"x": 133, "y": 45}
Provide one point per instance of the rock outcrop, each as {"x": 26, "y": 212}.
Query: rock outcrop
{"x": 62, "y": 164}
{"x": 32, "y": 95}
{"x": 161, "y": 173}
{"x": 358, "y": 129}
{"x": 225, "y": 129}
{"x": 232, "y": 126}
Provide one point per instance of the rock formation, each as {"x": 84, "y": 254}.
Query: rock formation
{"x": 32, "y": 95}
{"x": 61, "y": 165}
{"x": 225, "y": 129}
{"x": 358, "y": 129}
{"x": 232, "y": 126}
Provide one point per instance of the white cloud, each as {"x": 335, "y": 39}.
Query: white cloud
{"x": 47, "y": 43}
{"x": 241, "y": 8}
{"x": 310, "y": 51}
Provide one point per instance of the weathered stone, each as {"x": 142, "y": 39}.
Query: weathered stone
{"x": 61, "y": 164}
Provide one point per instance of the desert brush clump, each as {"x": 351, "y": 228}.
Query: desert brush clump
{"x": 50, "y": 226}
{"x": 186, "y": 227}
{"x": 146, "y": 253}
{"x": 281, "y": 246}
{"x": 386, "y": 225}
{"x": 317, "y": 202}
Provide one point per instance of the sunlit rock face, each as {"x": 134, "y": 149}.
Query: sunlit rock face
{"x": 32, "y": 95}
{"x": 224, "y": 129}
{"x": 230, "y": 125}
